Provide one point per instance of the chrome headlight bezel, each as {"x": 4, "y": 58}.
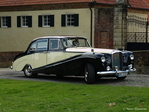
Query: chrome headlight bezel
{"x": 103, "y": 59}
{"x": 132, "y": 57}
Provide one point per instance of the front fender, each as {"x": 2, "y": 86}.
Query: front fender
{"x": 20, "y": 63}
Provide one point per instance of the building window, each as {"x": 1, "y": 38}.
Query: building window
{"x": 5, "y": 21}
{"x": 24, "y": 21}
{"x": 46, "y": 20}
{"x": 70, "y": 20}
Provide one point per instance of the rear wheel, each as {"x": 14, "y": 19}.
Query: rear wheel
{"x": 28, "y": 71}
{"x": 89, "y": 73}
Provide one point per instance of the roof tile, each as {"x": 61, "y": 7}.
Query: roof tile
{"x": 35, "y": 2}
{"x": 144, "y": 4}
{"x": 139, "y": 4}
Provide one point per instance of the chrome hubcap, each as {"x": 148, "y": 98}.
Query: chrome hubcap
{"x": 28, "y": 70}
{"x": 86, "y": 74}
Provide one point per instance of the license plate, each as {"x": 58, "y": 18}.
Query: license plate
{"x": 122, "y": 74}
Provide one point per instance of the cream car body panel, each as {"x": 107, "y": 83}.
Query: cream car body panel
{"x": 89, "y": 49}
{"x": 40, "y": 59}
{"x": 53, "y": 57}
{"x": 20, "y": 63}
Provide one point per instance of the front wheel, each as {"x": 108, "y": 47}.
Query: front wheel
{"x": 89, "y": 73}
{"x": 28, "y": 71}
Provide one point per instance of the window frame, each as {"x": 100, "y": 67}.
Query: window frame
{"x": 24, "y": 21}
{"x": 20, "y": 22}
{"x": 37, "y": 42}
{"x": 46, "y": 20}
{"x": 41, "y": 22}
{"x": 70, "y": 20}
{"x": 4, "y": 22}
{"x": 7, "y": 21}
{"x": 65, "y": 22}
{"x": 60, "y": 46}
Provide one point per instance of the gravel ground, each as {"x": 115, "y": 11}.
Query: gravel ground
{"x": 133, "y": 80}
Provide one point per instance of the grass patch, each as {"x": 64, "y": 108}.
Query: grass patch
{"x": 31, "y": 96}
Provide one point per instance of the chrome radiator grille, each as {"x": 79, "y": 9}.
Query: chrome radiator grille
{"x": 117, "y": 60}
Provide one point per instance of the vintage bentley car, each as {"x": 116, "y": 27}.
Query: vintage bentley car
{"x": 73, "y": 55}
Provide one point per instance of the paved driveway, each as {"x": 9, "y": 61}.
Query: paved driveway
{"x": 134, "y": 80}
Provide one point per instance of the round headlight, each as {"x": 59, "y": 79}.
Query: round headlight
{"x": 132, "y": 57}
{"x": 103, "y": 59}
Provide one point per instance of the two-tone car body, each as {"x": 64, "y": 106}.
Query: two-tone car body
{"x": 73, "y": 55}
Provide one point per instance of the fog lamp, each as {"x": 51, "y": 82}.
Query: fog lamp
{"x": 130, "y": 66}
{"x": 108, "y": 68}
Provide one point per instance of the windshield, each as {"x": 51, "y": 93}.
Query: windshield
{"x": 75, "y": 42}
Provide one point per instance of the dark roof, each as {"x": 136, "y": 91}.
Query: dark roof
{"x": 37, "y": 2}
{"x": 142, "y": 4}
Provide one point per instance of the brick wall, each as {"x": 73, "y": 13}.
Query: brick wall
{"x": 104, "y": 21}
{"x": 142, "y": 62}
{"x": 6, "y": 58}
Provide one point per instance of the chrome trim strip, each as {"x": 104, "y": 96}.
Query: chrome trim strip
{"x": 116, "y": 72}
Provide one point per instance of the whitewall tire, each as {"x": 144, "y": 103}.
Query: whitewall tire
{"x": 28, "y": 71}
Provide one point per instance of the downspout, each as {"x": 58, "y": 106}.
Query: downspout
{"x": 91, "y": 21}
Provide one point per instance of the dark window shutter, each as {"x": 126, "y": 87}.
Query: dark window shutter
{"x": 51, "y": 20}
{"x": 63, "y": 20}
{"x": 40, "y": 21}
{"x": 18, "y": 21}
{"x": 9, "y": 21}
{"x": 76, "y": 19}
{"x": 29, "y": 21}
{"x": 0, "y": 22}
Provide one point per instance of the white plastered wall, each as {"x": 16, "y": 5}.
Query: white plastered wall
{"x": 18, "y": 38}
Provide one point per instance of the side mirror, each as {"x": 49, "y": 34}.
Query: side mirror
{"x": 32, "y": 49}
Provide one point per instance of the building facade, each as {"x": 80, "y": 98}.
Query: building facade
{"x": 104, "y": 23}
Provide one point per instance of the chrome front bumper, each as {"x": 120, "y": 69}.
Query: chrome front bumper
{"x": 116, "y": 72}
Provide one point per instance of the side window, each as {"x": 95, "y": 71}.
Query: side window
{"x": 42, "y": 44}
{"x": 55, "y": 44}
{"x": 82, "y": 43}
{"x": 33, "y": 47}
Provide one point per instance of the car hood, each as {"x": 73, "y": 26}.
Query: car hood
{"x": 89, "y": 49}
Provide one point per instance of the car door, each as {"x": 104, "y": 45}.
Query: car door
{"x": 55, "y": 54}
{"x": 41, "y": 53}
